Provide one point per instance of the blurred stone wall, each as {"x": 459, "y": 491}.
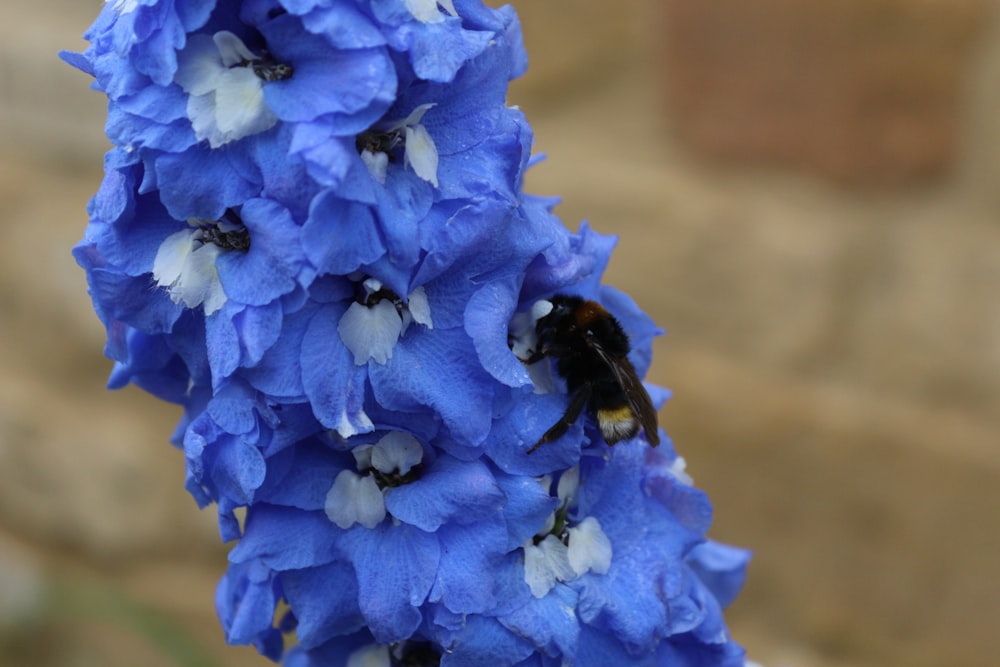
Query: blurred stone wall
{"x": 807, "y": 199}
{"x": 865, "y": 91}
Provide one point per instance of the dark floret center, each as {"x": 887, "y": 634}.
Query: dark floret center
{"x": 414, "y": 654}
{"x": 268, "y": 69}
{"x": 390, "y": 480}
{"x": 368, "y": 299}
{"x": 228, "y": 232}
{"x": 380, "y": 141}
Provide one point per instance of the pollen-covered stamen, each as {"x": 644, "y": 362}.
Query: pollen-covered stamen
{"x": 228, "y": 233}
{"x": 380, "y": 141}
{"x": 370, "y": 292}
{"x": 393, "y": 479}
{"x": 268, "y": 69}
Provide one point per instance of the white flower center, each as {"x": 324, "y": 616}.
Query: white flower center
{"x": 426, "y": 11}
{"x": 566, "y": 552}
{"x": 185, "y": 266}
{"x": 354, "y": 498}
{"x": 546, "y": 563}
{"x": 589, "y": 549}
{"x": 419, "y": 150}
{"x": 396, "y": 452}
{"x": 122, "y": 6}
{"x": 524, "y": 340}
{"x": 371, "y": 326}
{"x": 679, "y": 470}
{"x": 226, "y": 93}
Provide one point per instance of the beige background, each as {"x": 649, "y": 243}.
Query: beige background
{"x": 833, "y": 331}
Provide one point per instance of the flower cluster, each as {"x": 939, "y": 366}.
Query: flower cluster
{"x": 312, "y": 235}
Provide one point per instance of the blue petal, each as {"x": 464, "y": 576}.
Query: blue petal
{"x": 268, "y": 268}
{"x": 528, "y": 507}
{"x": 325, "y": 602}
{"x": 334, "y": 653}
{"x": 688, "y": 506}
{"x": 457, "y": 390}
{"x": 286, "y": 539}
{"x": 334, "y": 384}
{"x": 469, "y": 557}
{"x": 438, "y": 50}
{"x": 396, "y": 567}
{"x": 483, "y": 641}
{"x": 634, "y": 613}
{"x": 341, "y": 236}
{"x": 328, "y": 159}
{"x": 550, "y": 622}
{"x": 526, "y": 422}
{"x": 721, "y": 568}
{"x": 467, "y": 110}
{"x": 325, "y": 80}
{"x": 449, "y": 491}
{"x": 222, "y": 343}
{"x": 219, "y": 181}
{"x": 486, "y": 318}
{"x": 239, "y": 469}
{"x": 600, "y": 649}
{"x": 127, "y": 299}
{"x": 345, "y": 27}
{"x": 304, "y": 479}
{"x": 245, "y": 600}
{"x": 279, "y": 373}
{"x": 258, "y": 329}
{"x": 402, "y": 205}
{"x": 139, "y": 236}
{"x": 450, "y": 234}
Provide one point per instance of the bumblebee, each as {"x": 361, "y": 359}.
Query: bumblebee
{"x": 591, "y": 352}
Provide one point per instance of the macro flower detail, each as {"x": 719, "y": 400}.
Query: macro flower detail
{"x": 358, "y": 499}
{"x": 312, "y": 236}
{"x": 185, "y": 261}
{"x": 378, "y": 318}
{"x": 377, "y": 147}
{"x": 225, "y": 84}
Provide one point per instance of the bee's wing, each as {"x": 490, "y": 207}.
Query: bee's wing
{"x": 638, "y": 397}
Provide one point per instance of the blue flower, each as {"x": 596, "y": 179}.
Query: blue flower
{"x": 312, "y": 235}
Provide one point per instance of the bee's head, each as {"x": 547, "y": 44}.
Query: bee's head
{"x": 559, "y": 311}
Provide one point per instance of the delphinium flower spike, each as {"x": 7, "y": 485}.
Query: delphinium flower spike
{"x": 312, "y": 235}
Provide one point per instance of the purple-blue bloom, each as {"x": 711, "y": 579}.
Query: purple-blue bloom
{"x": 312, "y": 235}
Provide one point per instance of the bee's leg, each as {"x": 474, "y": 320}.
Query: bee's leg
{"x": 573, "y": 410}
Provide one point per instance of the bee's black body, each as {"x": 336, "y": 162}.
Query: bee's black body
{"x": 591, "y": 351}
